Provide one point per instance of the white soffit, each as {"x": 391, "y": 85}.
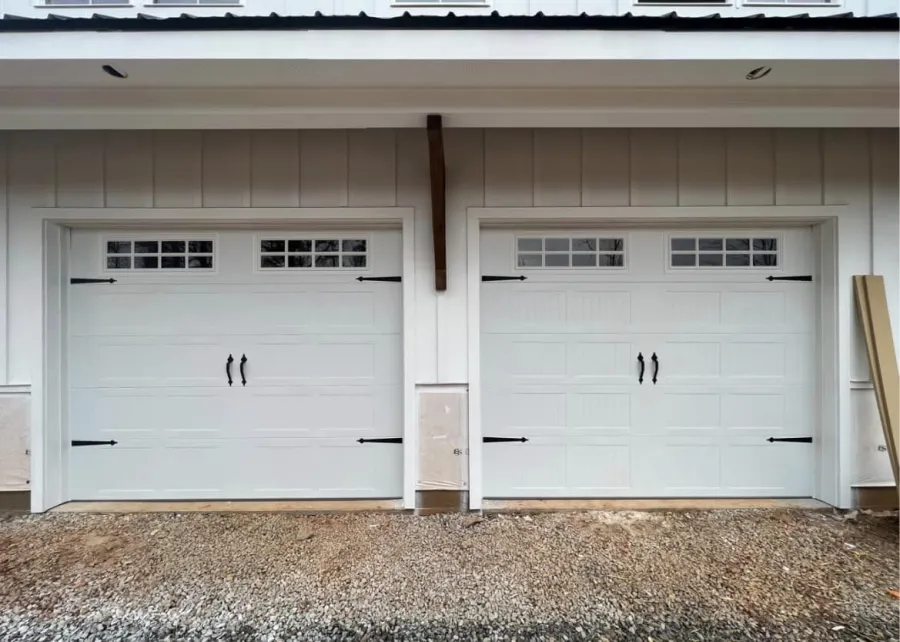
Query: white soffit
{"x": 468, "y": 45}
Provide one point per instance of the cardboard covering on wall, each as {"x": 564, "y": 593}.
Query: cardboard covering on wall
{"x": 14, "y": 458}
{"x": 871, "y": 304}
{"x": 443, "y": 437}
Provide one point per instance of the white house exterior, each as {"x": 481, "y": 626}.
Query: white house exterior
{"x": 225, "y": 261}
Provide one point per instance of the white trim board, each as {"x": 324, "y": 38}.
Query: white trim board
{"x": 48, "y": 228}
{"x": 836, "y": 244}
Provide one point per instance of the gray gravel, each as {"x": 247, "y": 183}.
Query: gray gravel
{"x": 721, "y": 575}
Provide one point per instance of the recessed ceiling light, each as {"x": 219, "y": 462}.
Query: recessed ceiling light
{"x": 115, "y": 73}
{"x": 758, "y": 73}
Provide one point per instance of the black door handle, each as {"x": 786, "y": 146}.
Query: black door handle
{"x": 641, "y": 361}
{"x": 243, "y": 378}
{"x": 228, "y": 368}
{"x": 655, "y": 367}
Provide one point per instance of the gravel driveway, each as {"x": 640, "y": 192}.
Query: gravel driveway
{"x": 719, "y": 575}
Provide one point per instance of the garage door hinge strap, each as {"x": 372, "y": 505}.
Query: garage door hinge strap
{"x": 77, "y": 281}
{"x": 494, "y": 440}
{"x": 795, "y": 440}
{"x": 386, "y": 440}
{"x": 387, "y": 279}
{"x": 80, "y": 442}
{"x": 487, "y": 277}
{"x": 807, "y": 277}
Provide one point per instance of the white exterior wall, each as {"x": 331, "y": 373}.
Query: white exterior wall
{"x": 510, "y": 167}
{"x": 388, "y": 8}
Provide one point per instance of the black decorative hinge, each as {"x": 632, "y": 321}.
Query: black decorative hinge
{"x": 494, "y": 440}
{"x": 487, "y": 277}
{"x": 385, "y": 440}
{"x": 78, "y": 281}
{"x": 80, "y": 442}
{"x": 387, "y": 279}
{"x": 807, "y": 277}
{"x": 795, "y": 440}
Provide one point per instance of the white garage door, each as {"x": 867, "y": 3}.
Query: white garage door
{"x": 314, "y": 356}
{"x": 728, "y": 363}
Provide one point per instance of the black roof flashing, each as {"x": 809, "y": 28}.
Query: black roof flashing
{"x": 494, "y": 21}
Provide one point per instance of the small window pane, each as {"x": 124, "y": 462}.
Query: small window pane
{"x": 611, "y": 260}
{"x": 556, "y": 260}
{"x": 200, "y": 247}
{"x": 205, "y": 262}
{"x": 556, "y": 245}
{"x": 353, "y": 261}
{"x": 737, "y": 245}
{"x": 765, "y": 260}
{"x": 146, "y": 247}
{"x": 173, "y": 247}
{"x": 300, "y": 245}
{"x": 353, "y": 245}
{"x": 271, "y": 246}
{"x": 172, "y": 262}
{"x": 612, "y": 245}
{"x": 530, "y": 245}
{"x": 118, "y": 247}
{"x": 680, "y": 245}
{"x": 300, "y": 261}
{"x": 326, "y": 260}
{"x": 270, "y": 262}
{"x": 584, "y": 260}
{"x": 765, "y": 245}
{"x": 326, "y": 246}
{"x": 146, "y": 262}
{"x": 708, "y": 260}
{"x": 118, "y": 262}
{"x": 584, "y": 245}
{"x": 710, "y": 245}
{"x": 530, "y": 260}
{"x": 684, "y": 260}
{"x": 737, "y": 260}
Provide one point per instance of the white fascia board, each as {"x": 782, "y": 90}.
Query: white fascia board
{"x": 450, "y": 45}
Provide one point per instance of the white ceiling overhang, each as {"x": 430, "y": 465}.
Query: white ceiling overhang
{"x": 357, "y": 78}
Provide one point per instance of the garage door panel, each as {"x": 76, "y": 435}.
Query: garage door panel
{"x": 138, "y": 362}
{"x": 147, "y": 368}
{"x": 735, "y": 368}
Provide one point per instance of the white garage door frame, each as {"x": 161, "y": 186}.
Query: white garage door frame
{"x": 842, "y": 242}
{"x": 48, "y": 228}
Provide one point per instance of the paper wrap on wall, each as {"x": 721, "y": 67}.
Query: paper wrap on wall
{"x": 443, "y": 441}
{"x": 14, "y": 458}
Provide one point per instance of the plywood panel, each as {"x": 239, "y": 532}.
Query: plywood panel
{"x": 798, "y": 167}
{"x": 701, "y": 167}
{"x": 275, "y": 168}
{"x": 129, "y": 169}
{"x": 606, "y": 167}
{"x": 226, "y": 169}
{"x": 886, "y": 217}
{"x": 372, "y": 167}
{"x": 79, "y": 169}
{"x": 654, "y": 167}
{"x": 557, "y": 167}
{"x": 176, "y": 169}
{"x": 750, "y": 162}
{"x": 323, "y": 168}
{"x": 508, "y": 167}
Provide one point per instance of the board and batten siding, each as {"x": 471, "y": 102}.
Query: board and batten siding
{"x": 501, "y": 167}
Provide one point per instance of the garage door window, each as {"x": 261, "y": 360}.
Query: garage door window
{"x": 570, "y": 252}
{"x": 159, "y": 254}
{"x": 723, "y": 252}
{"x": 312, "y": 253}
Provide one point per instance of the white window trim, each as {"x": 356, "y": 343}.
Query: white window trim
{"x": 85, "y": 5}
{"x": 579, "y": 268}
{"x": 275, "y": 236}
{"x": 125, "y": 235}
{"x": 697, "y": 235}
{"x": 192, "y": 5}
